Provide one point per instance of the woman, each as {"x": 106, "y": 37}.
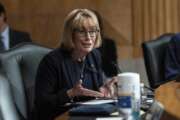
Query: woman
{"x": 72, "y": 72}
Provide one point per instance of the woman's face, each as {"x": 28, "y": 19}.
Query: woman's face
{"x": 85, "y": 38}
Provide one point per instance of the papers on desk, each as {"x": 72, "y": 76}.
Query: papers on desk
{"x": 95, "y": 118}
{"x": 97, "y": 101}
{"x": 92, "y": 102}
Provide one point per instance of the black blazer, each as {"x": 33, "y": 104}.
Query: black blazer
{"x": 56, "y": 74}
{"x": 16, "y": 37}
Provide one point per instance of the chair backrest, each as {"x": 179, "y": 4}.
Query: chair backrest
{"x": 154, "y": 56}
{"x": 19, "y": 66}
{"x": 7, "y": 108}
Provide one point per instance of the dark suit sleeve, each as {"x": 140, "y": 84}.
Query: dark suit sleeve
{"x": 22, "y": 37}
{"x": 49, "y": 96}
{"x": 172, "y": 62}
{"x": 27, "y": 37}
{"x": 17, "y": 37}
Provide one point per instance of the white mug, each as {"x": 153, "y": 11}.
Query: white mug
{"x": 129, "y": 83}
{"x": 128, "y": 91}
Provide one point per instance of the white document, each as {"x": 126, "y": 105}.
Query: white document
{"x": 98, "y": 101}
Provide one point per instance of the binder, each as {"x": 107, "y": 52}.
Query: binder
{"x": 94, "y": 110}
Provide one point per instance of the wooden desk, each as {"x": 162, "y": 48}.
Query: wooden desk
{"x": 64, "y": 116}
{"x": 165, "y": 116}
{"x": 169, "y": 95}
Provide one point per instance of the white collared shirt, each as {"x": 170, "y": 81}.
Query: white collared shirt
{"x": 5, "y": 37}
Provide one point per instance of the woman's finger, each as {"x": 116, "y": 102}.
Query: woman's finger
{"x": 112, "y": 81}
{"x": 92, "y": 93}
{"x": 78, "y": 84}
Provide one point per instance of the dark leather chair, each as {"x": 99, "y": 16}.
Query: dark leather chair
{"x": 18, "y": 71}
{"x": 154, "y": 57}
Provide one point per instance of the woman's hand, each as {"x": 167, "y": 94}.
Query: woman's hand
{"x": 79, "y": 90}
{"x": 108, "y": 88}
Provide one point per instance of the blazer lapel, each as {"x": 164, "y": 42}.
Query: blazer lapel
{"x": 11, "y": 38}
{"x": 94, "y": 72}
{"x": 71, "y": 73}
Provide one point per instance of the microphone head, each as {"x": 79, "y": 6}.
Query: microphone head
{"x": 92, "y": 65}
{"x": 117, "y": 66}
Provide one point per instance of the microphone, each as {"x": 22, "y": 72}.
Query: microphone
{"x": 92, "y": 68}
{"x": 117, "y": 67}
{"x": 82, "y": 71}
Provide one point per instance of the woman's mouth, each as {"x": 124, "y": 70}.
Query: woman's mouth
{"x": 87, "y": 45}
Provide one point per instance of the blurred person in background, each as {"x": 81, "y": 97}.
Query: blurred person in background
{"x": 172, "y": 61}
{"x": 108, "y": 51}
{"x": 8, "y": 36}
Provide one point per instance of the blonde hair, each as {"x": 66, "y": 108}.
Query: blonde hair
{"x": 74, "y": 20}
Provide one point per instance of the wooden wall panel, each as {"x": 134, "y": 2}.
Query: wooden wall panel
{"x": 137, "y": 24}
{"x": 128, "y": 22}
{"x": 175, "y": 20}
{"x": 153, "y": 18}
{"x": 117, "y": 18}
{"x": 43, "y": 19}
{"x": 161, "y": 16}
{"x": 146, "y": 20}
{"x": 168, "y": 17}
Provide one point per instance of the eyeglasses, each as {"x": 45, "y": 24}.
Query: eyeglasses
{"x": 84, "y": 33}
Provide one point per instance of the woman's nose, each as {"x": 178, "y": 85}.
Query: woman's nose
{"x": 88, "y": 36}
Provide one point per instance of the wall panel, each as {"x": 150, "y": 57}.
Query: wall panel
{"x": 128, "y": 22}
{"x": 153, "y": 18}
